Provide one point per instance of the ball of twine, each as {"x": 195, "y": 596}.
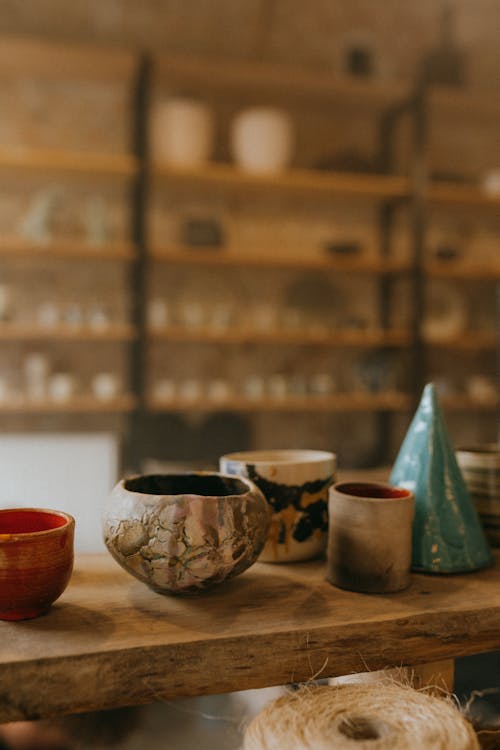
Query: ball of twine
{"x": 375, "y": 717}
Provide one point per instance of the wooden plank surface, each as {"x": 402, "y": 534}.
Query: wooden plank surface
{"x": 110, "y": 641}
{"x": 308, "y": 181}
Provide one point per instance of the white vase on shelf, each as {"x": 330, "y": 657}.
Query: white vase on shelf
{"x": 262, "y": 139}
{"x": 182, "y": 132}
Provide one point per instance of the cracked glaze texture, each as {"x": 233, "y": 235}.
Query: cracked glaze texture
{"x": 184, "y": 542}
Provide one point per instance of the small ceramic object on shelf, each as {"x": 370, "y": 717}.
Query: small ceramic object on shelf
{"x": 201, "y": 232}
{"x": 344, "y": 248}
{"x": 490, "y": 182}
{"x": 262, "y": 140}
{"x": 221, "y": 316}
{"x": 446, "y": 312}
{"x": 73, "y": 316}
{"x": 370, "y": 536}
{"x": 4, "y": 390}
{"x": 182, "y": 132}
{"x": 447, "y": 533}
{"x": 180, "y": 533}
{"x": 96, "y": 222}
{"x": 190, "y": 389}
{"x": 378, "y": 372}
{"x": 264, "y": 317}
{"x": 98, "y": 318}
{"x": 61, "y": 387}
{"x": 158, "y": 313}
{"x": 105, "y": 386}
{"x": 191, "y": 314}
{"x": 36, "y": 560}
{"x": 6, "y": 303}
{"x": 48, "y": 315}
{"x": 218, "y": 390}
{"x": 295, "y": 484}
{"x": 36, "y": 368}
{"x": 322, "y": 384}
{"x": 164, "y": 389}
{"x": 482, "y": 389}
{"x": 36, "y": 225}
{"x": 277, "y": 385}
{"x": 254, "y": 386}
{"x": 480, "y": 466}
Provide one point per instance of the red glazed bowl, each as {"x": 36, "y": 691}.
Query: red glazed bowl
{"x": 36, "y": 560}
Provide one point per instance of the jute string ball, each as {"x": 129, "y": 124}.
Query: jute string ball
{"x": 349, "y": 717}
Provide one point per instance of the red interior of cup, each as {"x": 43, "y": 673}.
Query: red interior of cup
{"x": 27, "y": 521}
{"x": 369, "y": 489}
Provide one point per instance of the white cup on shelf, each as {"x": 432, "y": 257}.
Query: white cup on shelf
{"x": 105, "y": 386}
{"x": 61, "y": 387}
{"x": 262, "y": 139}
{"x": 182, "y": 132}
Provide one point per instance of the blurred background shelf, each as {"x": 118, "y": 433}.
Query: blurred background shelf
{"x": 472, "y": 341}
{"x": 230, "y": 257}
{"x": 276, "y": 82}
{"x": 307, "y": 181}
{"x": 337, "y": 403}
{"x": 50, "y": 161}
{"x": 66, "y": 249}
{"x": 337, "y": 338}
{"x": 465, "y": 270}
{"x": 77, "y": 405}
{"x": 67, "y": 333}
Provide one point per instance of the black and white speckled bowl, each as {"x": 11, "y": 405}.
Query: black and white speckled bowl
{"x": 180, "y": 533}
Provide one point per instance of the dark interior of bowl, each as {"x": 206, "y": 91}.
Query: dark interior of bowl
{"x": 210, "y": 485}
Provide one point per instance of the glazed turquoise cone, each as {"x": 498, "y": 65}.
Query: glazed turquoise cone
{"x": 447, "y": 533}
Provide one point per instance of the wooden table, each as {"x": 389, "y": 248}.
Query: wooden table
{"x": 109, "y": 641}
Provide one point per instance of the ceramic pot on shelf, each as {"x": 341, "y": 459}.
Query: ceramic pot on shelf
{"x": 262, "y": 140}
{"x": 182, "y": 132}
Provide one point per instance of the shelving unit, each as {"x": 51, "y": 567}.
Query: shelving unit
{"x": 65, "y": 249}
{"x": 75, "y": 405}
{"x": 340, "y": 402}
{"x": 94, "y": 167}
{"x": 307, "y": 181}
{"x": 470, "y": 205}
{"x": 67, "y": 333}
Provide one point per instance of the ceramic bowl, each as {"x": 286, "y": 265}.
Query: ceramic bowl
{"x": 180, "y": 533}
{"x": 36, "y": 560}
{"x": 295, "y": 484}
{"x": 480, "y": 467}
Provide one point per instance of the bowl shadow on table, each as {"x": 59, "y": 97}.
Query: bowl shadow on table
{"x": 71, "y": 618}
{"x": 232, "y": 602}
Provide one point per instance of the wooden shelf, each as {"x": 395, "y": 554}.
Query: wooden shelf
{"x": 70, "y": 249}
{"x": 469, "y": 341}
{"x": 31, "y": 55}
{"x": 361, "y": 338}
{"x": 465, "y": 102}
{"x": 344, "y": 402}
{"x": 465, "y": 270}
{"x": 18, "y": 332}
{"x": 221, "y": 257}
{"x": 110, "y": 641}
{"x": 77, "y": 405}
{"x": 462, "y": 402}
{"x": 461, "y": 196}
{"x": 306, "y": 181}
{"x": 276, "y": 82}
{"x": 73, "y": 163}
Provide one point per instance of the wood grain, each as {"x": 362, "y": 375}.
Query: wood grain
{"x": 110, "y": 641}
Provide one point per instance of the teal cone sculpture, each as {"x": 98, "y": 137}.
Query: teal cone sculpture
{"x": 447, "y": 533}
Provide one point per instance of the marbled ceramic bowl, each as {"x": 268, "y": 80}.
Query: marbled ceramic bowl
{"x": 180, "y": 533}
{"x": 36, "y": 560}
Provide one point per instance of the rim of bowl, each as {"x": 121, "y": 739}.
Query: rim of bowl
{"x": 400, "y": 493}
{"x": 280, "y": 456}
{"x": 7, "y": 537}
{"x": 251, "y": 487}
